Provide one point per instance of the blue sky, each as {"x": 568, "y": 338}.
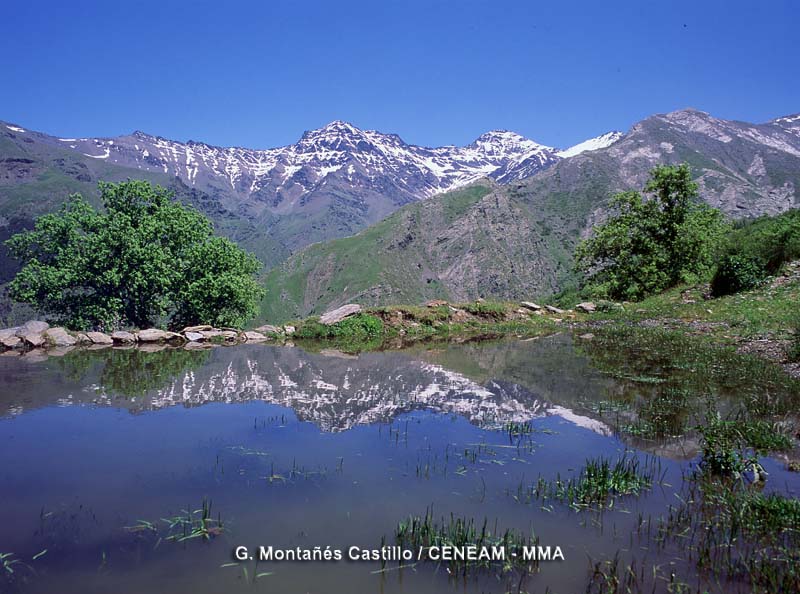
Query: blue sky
{"x": 259, "y": 74}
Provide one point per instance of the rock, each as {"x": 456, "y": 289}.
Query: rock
{"x": 201, "y": 328}
{"x": 269, "y": 329}
{"x": 207, "y": 334}
{"x": 252, "y": 336}
{"x": 531, "y": 305}
{"x": 122, "y": 337}
{"x": 587, "y": 336}
{"x": 34, "y": 339}
{"x": 193, "y": 336}
{"x": 553, "y": 309}
{"x": 99, "y": 338}
{"x": 156, "y": 335}
{"x": 82, "y": 338}
{"x": 339, "y": 314}
{"x": 59, "y": 337}
{"x": 289, "y": 330}
{"x": 586, "y": 307}
{"x": 8, "y": 332}
{"x": 435, "y": 302}
{"x": 11, "y": 342}
{"x": 32, "y": 327}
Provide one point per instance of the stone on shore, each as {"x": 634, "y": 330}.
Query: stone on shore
{"x": 123, "y": 337}
{"x": 99, "y": 338}
{"x": 32, "y": 327}
{"x": 531, "y": 305}
{"x": 200, "y": 328}
{"x": 253, "y": 336}
{"x": 269, "y": 329}
{"x": 34, "y": 339}
{"x": 339, "y": 314}
{"x": 553, "y": 309}
{"x": 586, "y": 307}
{"x": 156, "y": 335}
{"x": 59, "y": 337}
{"x": 10, "y": 341}
{"x": 289, "y": 330}
{"x": 192, "y": 336}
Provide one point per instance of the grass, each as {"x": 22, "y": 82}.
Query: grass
{"x": 189, "y": 524}
{"x": 738, "y": 534}
{"x": 390, "y": 327}
{"x": 599, "y": 483}
{"x": 423, "y": 533}
{"x": 769, "y": 310}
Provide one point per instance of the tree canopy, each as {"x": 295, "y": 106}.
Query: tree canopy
{"x": 143, "y": 260}
{"x": 652, "y": 243}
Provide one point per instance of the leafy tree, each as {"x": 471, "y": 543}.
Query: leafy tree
{"x": 145, "y": 259}
{"x": 652, "y": 243}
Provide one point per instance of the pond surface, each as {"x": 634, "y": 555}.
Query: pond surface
{"x": 102, "y": 451}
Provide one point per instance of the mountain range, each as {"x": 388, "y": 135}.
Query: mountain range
{"x": 497, "y": 218}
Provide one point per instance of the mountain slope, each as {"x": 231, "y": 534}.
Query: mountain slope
{"x": 516, "y": 240}
{"x": 333, "y": 182}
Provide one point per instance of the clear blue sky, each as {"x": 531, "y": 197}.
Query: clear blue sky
{"x": 258, "y": 74}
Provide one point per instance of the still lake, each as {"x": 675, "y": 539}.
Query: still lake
{"x": 103, "y": 452}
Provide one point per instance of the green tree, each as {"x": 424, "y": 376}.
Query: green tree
{"x": 145, "y": 259}
{"x": 652, "y": 243}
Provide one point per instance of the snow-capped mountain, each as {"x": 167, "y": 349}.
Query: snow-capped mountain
{"x": 593, "y": 144}
{"x": 339, "y": 149}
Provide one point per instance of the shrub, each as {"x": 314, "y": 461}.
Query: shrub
{"x": 756, "y": 249}
{"x": 736, "y": 273}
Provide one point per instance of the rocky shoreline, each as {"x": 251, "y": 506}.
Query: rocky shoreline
{"x": 38, "y": 336}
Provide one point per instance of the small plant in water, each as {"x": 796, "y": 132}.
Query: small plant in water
{"x": 423, "y": 533}
{"x": 190, "y": 524}
{"x": 599, "y": 482}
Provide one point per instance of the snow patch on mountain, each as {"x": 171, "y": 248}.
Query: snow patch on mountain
{"x": 592, "y": 144}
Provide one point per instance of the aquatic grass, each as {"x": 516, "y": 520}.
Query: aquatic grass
{"x": 736, "y": 532}
{"x": 422, "y": 533}
{"x": 188, "y": 525}
{"x": 9, "y": 561}
{"x": 599, "y": 482}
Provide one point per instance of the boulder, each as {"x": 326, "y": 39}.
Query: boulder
{"x": 32, "y": 327}
{"x": 531, "y": 305}
{"x": 34, "y": 339}
{"x": 11, "y": 342}
{"x": 252, "y": 336}
{"x": 122, "y": 337}
{"x": 99, "y": 338}
{"x": 82, "y": 338}
{"x": 553, "y": 309}
{"x": 8, "y": 332}
{"x": 587, "y": 336}
{"x": 339, "y": 314}
{"x": 586, "y": 307}
{"x": 208, "y": 334}
{"x": 269, "y": 329}
{"x": 289, "y": 330}
{"x": 156, "y": 335}
{"x": 200, "y": 328}
{"x": 194, "y": 336}
{"x": 59, "y": 337}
